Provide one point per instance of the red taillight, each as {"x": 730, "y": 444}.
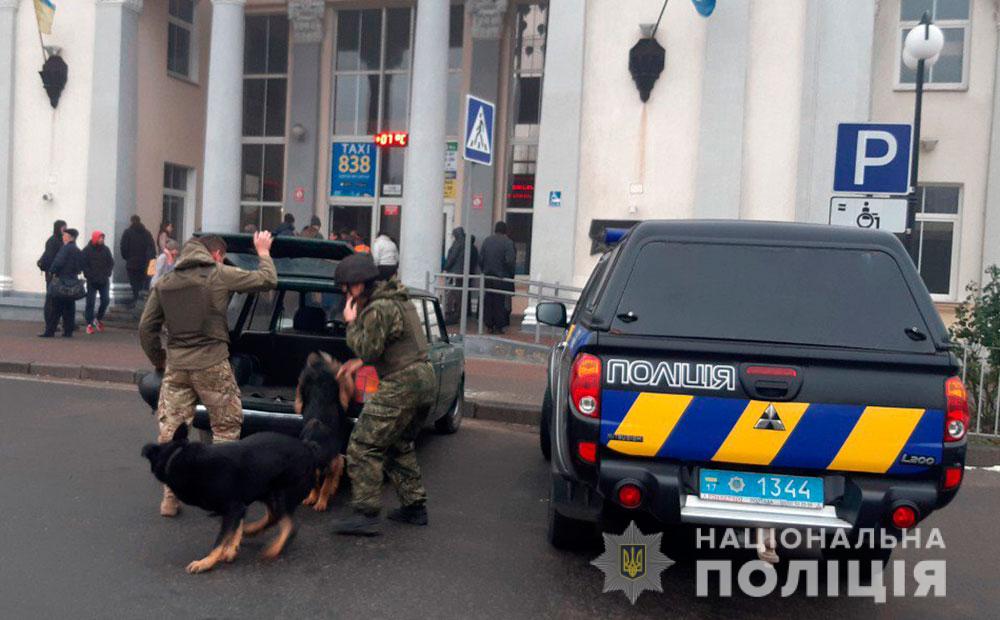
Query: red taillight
{"x": 629, "y": 495}
{"x": 585, "y": 385}
{"x": 771, "y": 371}
{"x": 365, "y": 383}
{"x": 952, "y": 477}
{"x": 956, "y": 419}
{"x": 587, "y": 451}
{"x": 904, "y": 517}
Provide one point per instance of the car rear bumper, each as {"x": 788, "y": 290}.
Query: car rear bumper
{"x": 256, "y": 421}
{"x": 670, "y": 494}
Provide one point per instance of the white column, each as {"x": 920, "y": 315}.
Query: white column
{"x": 111, "y": 194}
{"x": 8, "y": 25}
{"x": 220, "y": 198}
{"x": 552, "y": 239}
{"x": 836, "y": 88}
{"x": 718, "y": 183}
{"x": 422, "y": 233}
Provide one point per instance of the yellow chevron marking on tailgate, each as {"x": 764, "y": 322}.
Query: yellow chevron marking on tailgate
{"x": 752, "y": 446}
{"x": 651, "y": 417}
{"x": 877, "y": 438}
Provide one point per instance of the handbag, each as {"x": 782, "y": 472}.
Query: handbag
{"x": 151, "y": 267}
{"x": 65, "y": 289}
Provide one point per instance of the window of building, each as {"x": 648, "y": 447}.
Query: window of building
{"x": 181, "y": 60}
{"x": 374, "y": 49}
{"x": 952, "y": 16}
{"x": 527, "y": 72}
{"x": 176, "y": 196}
{"x": 932, "y": 242}
{"x": 265, "y": 94}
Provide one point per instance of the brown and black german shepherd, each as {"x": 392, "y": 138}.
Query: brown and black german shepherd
{"x": 322, "y": 401}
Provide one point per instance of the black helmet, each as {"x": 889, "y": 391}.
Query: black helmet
{"x": 356, "y": 268}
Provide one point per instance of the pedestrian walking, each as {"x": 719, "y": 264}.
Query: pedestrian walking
{"x": 65, "y": 286}
{"x": 166, "y": 261}
{"x": 287, "y": 227}
{"x": 137, "y": 250}
{"x": 497, "y": 260}
{"x": 98, "y": 263}
{"x": 52, "y": 246}
{"x": 166, "y": 234}
{"x": 192, "y": 300}
{"x": 384, "y": 330}
{"x": 455, "y": 263}
{"x": 385, "y": 253}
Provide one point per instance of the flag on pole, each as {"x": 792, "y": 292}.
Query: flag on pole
{"x": 45, "y": 10}
{"x": 705, "y": 7}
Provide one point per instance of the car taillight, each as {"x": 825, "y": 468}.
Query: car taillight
{"x": 904, "y": 517}
{"x": 365, "y": 384}
{"x": 629, "y": 495}
{"x": 952, "y": 477}
{"x": 956, "y": 419}
{"x": 587, "y": 451}
{"x": 585, "y": 385}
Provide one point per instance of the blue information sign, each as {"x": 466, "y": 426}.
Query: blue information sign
{"x": 872, "y": 158}
{"x": 479, "y": 115}
{"x": 353, "y": 169}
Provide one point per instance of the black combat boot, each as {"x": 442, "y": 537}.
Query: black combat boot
{"x": 414, "y": 514}
{"x": 359, "y": 524}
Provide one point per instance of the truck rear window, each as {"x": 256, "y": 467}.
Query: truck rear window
{"x": 795, "y": 295}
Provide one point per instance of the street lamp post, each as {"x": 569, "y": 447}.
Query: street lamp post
{"x": 921, "y": 49}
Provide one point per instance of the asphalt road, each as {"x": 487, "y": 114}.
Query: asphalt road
{"x": 80, "y": 535}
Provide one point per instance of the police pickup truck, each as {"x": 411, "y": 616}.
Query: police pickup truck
{"x": 752, "y": 374}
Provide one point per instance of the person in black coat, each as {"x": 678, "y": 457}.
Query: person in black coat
{"x": 137, "y": 249}
{"x": 287, "y": 227}
{"x": 52, "y": 245}
{"x": 98, "y": 263}
{"x": 455, "y": 263}
{"x": 66, "y": 266}
{"x": 497, "y": 259}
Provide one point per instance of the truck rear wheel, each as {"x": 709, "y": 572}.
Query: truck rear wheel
{"x": 569, "y": 534}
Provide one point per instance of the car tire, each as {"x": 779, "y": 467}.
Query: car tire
{"x": 544, "y": 434}
{"x": 449, "y": 422}
{"x": 570, "y": 534}
{"x": 679, "y": 543}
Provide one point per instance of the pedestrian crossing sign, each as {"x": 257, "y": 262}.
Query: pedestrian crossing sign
{"x": 479, "y": 115}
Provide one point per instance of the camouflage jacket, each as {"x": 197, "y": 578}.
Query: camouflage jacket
{"x": 388, "y": 333}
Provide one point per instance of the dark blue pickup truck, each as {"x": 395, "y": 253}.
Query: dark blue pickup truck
{"x": 752, "y": 374}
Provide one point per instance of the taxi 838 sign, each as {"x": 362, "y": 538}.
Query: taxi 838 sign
{"x": 353, "y": 169}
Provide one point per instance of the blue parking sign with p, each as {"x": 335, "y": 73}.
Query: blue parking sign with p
{"x": 872, "y": 158}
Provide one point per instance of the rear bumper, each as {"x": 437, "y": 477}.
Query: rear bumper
{"x": 670, "y": 495}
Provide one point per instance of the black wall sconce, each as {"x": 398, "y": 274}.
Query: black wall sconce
{"x": 646, "y": 61}
{"x": 54, "y": 74}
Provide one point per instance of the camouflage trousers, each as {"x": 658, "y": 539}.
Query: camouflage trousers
{"x": 382, "y": 441}
{"x": 215, "y": 387}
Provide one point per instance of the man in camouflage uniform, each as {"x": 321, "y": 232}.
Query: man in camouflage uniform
{"x": 192, "y": 302}
{"x": 385, "y": 331}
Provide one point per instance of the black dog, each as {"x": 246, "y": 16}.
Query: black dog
{"x": 322, "y": 399}
{"x": 226, "y": 478}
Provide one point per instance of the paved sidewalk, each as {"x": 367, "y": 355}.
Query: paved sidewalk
{"x": 507, "y": 391}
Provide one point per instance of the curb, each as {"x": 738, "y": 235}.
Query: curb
{"x": 511, "y": 413}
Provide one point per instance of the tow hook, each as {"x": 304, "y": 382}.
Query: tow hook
{"x": 767, "y": 545}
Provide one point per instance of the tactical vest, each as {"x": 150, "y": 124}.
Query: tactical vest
{"x": 411, "y": 346}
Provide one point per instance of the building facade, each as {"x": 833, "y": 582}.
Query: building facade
{"x": 221, "y": 115}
